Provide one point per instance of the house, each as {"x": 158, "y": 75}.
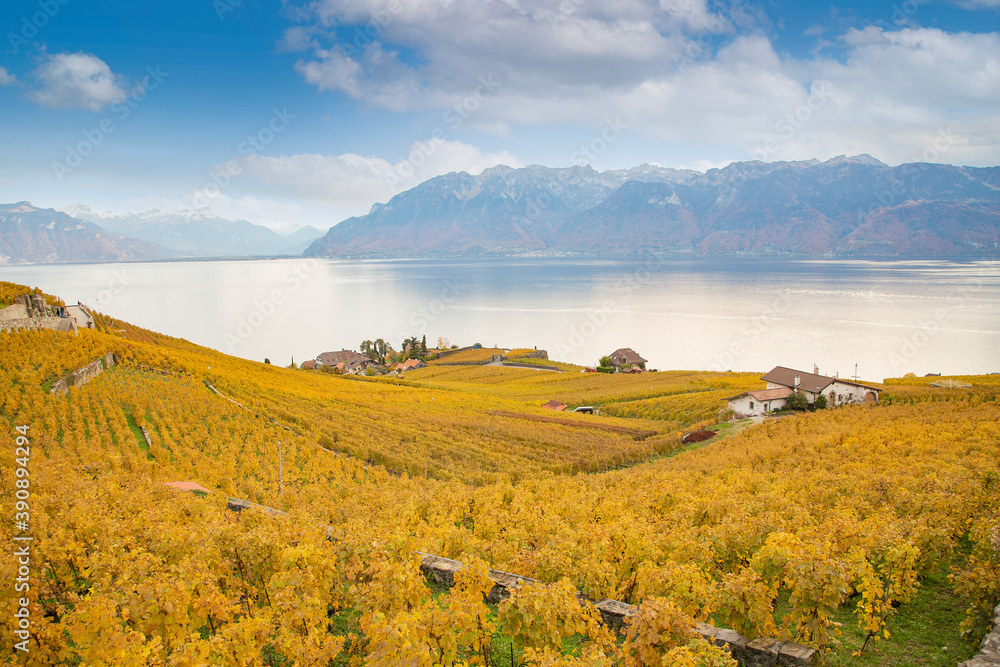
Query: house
{"x": 837, "y": 391}
{"x": 410, "y": 365}
{"x": 782, "y": 382}
{"x": 756, "y": 403}
{"x": 346, "y": 361}
{"x": 627, "y": 355}
{"x": 308, "y": 365}
{"x": 554, "y": 405}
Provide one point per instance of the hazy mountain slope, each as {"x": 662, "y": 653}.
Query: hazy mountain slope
{"x": 501, "y": 210}
{"x": 847, "y": 205}
{"x": 30, "y": 234}
{"x": 200, "y": 232}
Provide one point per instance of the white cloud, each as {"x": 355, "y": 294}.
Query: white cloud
{"x": 77, "y": 81}
{"x": 675, "y": 69}
{"x": 356, "y": 182}
{"x": 6, "y": 78}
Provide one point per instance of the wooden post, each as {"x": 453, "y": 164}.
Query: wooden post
{"x": 280, "y": 477}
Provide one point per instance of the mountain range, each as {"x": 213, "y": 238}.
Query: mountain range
{"x": 30, "y": 234}
{"x": 843, "y": 206}
{"x": 201, "y": 233}
{"x": 76, "y": 233}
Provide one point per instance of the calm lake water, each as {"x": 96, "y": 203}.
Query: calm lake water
{"x": 888, "y": 317}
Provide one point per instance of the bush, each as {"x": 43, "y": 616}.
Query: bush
{"x": 798, "y": 401}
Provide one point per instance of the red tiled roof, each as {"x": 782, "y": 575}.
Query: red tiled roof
{"x": 771, "y": 394}
{"x": 554, "y": 405}
{"x": 187, "y": 486}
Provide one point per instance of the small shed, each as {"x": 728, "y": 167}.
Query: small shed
{"x": 554, "y": 405}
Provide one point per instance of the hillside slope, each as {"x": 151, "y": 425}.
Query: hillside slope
{"x": 779, "y": 530}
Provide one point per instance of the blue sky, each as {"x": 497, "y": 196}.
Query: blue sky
{"x": 308, "y": 112}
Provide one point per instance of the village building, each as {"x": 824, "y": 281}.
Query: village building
{"x": 756, "y": 403}
{"x": 346, "y": 361}
{"x": 627, "y": 355}
{"x": 782, "y": 382}
{"x": 308, "y": 365}
{"x": 554, "y": 405}
{"x": 409, "y": 365}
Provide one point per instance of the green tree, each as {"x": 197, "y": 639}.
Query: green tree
{"x": 798, "y": 401}
{"x": 382, "y": 348}
{"x": 820, "y": 403}
{"x": 605, "y": 361}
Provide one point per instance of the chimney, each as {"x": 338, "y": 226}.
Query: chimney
{"x": 815, "y": 369}
{"x": 797, "y": 382}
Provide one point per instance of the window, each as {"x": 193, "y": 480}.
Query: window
{"x": 751, "y": 405}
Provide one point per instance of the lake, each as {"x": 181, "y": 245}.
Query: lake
{"x": 888, "y": 317}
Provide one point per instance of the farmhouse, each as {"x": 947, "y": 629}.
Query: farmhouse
{"x": 626, "y": 355}
{"x": 782, "y": 382}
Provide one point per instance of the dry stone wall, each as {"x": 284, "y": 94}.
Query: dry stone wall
{"x": 83, "y": 375}
{"x": 989, "y": 654}
{"x": 760, "y": 652}
{"x": 30, "y": 311}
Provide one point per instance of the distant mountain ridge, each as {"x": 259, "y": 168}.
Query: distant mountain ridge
{"x": 844, "y": 206}
{"x": 29, "y": 234}
{"x": 201, "y": 233}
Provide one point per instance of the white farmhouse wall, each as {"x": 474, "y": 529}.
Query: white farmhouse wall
{"x": 741, "y": 406}
{"x": 844, "y": 394}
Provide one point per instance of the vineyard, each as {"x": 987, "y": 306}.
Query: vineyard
{"x": 825, "y": 528}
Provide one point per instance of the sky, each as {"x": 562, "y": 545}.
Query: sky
{"x": 309, "y": 112}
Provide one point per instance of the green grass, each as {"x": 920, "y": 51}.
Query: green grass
{"x": 137, "y": 431}
{"x": 923, "y": 633}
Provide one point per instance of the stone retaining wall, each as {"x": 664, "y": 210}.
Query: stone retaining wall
{"x": 761, "y": 652}
{"x": 83, "y": 375}
{"x": 989, "y": 654}
{"x": 30, "y": 311}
